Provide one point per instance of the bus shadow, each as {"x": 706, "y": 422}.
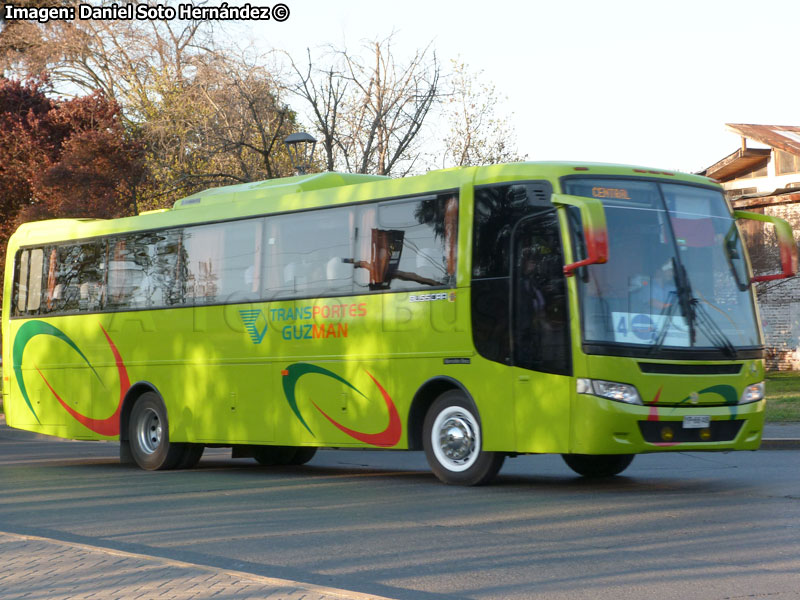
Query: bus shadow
{"x": 538, "y": 482}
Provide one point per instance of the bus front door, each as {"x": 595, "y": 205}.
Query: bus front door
{"x": 541, "y": 350}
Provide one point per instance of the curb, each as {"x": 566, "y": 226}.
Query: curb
{"x": 780, "y": 444}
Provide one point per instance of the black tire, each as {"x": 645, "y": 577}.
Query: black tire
{"x": 192, "y": 453}
{"x": 271, "y": 456}
{"x": 148, "y": 433}
{"x": 598, "y": 465}
{"x": 452, "y": 438}
{"x": 302, "y": 455}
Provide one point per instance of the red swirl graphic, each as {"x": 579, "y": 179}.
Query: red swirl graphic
{"x": 106, "y": 427}
{"x": 386, "y": 438}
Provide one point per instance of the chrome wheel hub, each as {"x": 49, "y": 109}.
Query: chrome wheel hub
{"x": 148, "y": 432}
{"x": 456, "y": 438}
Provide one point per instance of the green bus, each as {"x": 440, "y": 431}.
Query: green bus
{"x": 594, "y": 311}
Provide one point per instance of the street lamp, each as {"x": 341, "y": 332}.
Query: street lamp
{"x": 300, "y": 147}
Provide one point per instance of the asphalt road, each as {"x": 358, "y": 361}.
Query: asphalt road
{"x": 704, "y": 526}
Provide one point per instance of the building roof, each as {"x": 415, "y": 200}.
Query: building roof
{"x": 782, "y": 137}
{"x": 744, "y": 160}
{"x": 741, "y": 161}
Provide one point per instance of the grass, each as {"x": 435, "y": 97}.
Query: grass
{"x": 783, "y": 396}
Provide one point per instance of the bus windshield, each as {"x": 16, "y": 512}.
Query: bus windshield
{"x": 676, "y": 275}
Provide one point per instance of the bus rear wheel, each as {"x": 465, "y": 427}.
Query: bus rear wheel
{"x": 271, "y": 456}
{"x": 452, "y": 441}
{"x": 148, "y": 432}
{"x": 599, "y": 465}
{"x": 192, "y": 454}
{"x": 302, "y": 455}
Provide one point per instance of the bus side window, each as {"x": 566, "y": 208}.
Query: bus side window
{"x": 121, "y": 273}
{"x": 35, "y": 280}
{"x": 407, "y": 245}
{"x": 223, "y": 261}
{"x": 75, "y": 277}
{"x": 53, "y": 292}
{"x": 29, "y": 281}
{"x": 21, "y": 281}
{"x": 166, "y": 268}
{"x": 498, "y": 209}
{"x": 273, "y": 276}
{"x": 307, "y": 254}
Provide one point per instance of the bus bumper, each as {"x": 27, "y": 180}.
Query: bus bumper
{"x": 601, "y": 426}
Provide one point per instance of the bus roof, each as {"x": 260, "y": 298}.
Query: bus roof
{"x": 277, "y": 187}
{"x": 320, "y": 189}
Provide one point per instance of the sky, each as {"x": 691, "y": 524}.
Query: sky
{"x": 644, "y": 82}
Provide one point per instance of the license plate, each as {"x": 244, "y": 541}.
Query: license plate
{"x": 696, "y": 421}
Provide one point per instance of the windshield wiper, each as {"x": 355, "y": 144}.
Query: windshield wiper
{"x": 695, "y": 314}
{"x": 711, "y": 330}
{"x": 666, "y": 312}
{"x": 685, "y": 298}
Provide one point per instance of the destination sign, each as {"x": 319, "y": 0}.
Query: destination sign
{"x": 615, "y": 193}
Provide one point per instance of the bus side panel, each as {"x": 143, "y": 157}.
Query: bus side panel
{"x": 42, "y": 369}
{"x": 346, "y": 370}
{"x": 490, "y": 385}
{"x": 341, "y": 403}
{"x": 366, "y": 403}
{"x": 213, "y": 403}
{"x": 261, "y": 372}
{"x": 213, "y": 383}
{"x": 542, "y": 417}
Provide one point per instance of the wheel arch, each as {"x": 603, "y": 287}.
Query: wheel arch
{"x": 132, "y": 395}
{"x": 427, "y": 393}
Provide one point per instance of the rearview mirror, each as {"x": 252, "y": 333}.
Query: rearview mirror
{"x": 595, "y": 232}
{"x": 786, "y": 244}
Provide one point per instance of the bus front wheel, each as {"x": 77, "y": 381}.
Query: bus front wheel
{"x": 148, "y": 432}
{"x": 600, "y": 465}
{"x": 452, "y": 441}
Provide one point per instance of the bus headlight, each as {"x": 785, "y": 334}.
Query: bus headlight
{"x": 611, "y": 390}
{"x": 752, "y": 393}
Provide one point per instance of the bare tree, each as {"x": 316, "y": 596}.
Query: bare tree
{"x": 370, "y": 110}
{"x": 326, "y": 96}
{"x": 477, "y": 135}
{"x": 131, "y": 61}
{"x": 245, "y": 116}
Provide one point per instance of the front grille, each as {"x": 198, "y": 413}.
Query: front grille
{"x": 675, "y": 369}
{"x": 718, "y": 431}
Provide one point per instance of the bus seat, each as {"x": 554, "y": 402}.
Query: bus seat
{"x": 336, "y": 269}
{"x": 296, "y": 274}
{"x": 289, "y": 272}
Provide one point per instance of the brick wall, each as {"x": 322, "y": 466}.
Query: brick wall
{"x": 778, "y": 301}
